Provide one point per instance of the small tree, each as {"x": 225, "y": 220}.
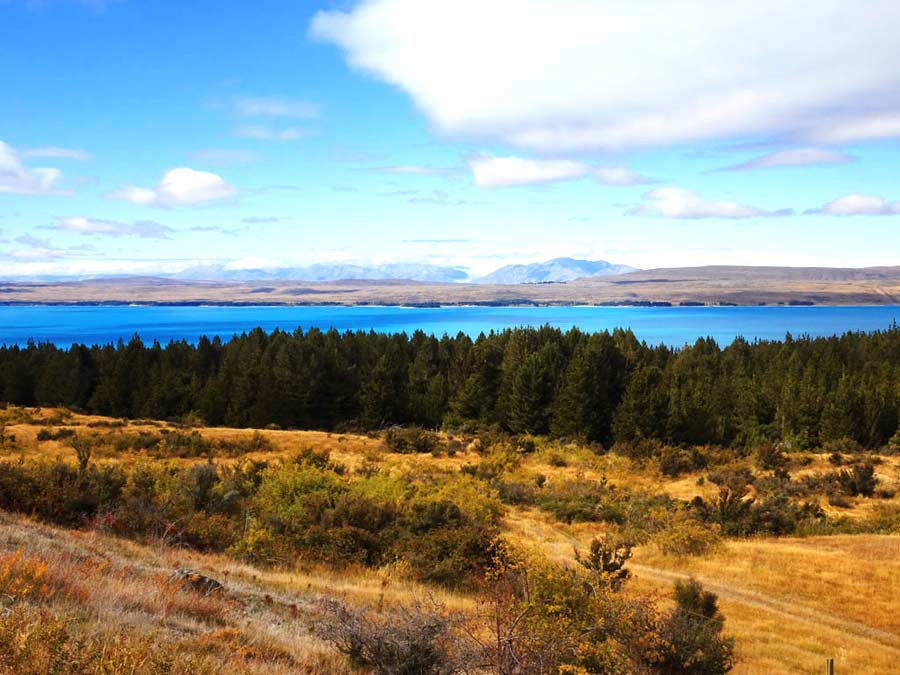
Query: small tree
{"x": 84, "y": 448}
{"x": 691, "y": 634}
{"x": 606, "y": 559}
{"x": 770, "y": 456}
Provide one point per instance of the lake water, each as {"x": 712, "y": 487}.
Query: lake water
{"x": 64, "y": 325}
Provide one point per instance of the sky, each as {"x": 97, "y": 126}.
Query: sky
{"x": 149, "y": 136}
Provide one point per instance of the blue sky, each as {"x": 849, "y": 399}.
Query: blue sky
{"x": 144, "y": 136}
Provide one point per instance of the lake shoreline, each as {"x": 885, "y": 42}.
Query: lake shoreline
{"x": 66, "y": 324}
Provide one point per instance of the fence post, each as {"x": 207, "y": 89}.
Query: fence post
{"x": 829, "y": 666}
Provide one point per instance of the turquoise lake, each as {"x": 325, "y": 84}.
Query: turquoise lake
{"x": 64, "y": 325}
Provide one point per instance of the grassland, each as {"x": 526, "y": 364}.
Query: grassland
{"x": 790, "y": 602}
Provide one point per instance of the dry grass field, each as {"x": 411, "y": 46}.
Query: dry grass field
{"x": 789, "y": 602}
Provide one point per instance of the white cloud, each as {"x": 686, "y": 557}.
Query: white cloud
{"x": 54, "y": 152}
{"x": 874, "y": 127}
{"x": 492, "y": 172}
{"x": 181, "y": 186}
{"x": 34, "y": 248}
{"x": 144, "y": 229}
{"x": 260, "y": 132}
{"x": 16, "y": 178}
{"x": 591, "y": 74}
{"x": 621, "y": 176}
{"x": 272, "y": 106}
{"x": 794, "y": 157}
{"x": 859, "y": 205}
{"x": 672, "y": 202}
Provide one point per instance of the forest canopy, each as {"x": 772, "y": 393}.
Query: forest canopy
{"x": 601, "y": 387}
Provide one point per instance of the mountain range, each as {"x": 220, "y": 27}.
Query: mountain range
{"x": 555, "y": 270}
{"x": 558, "y": 269}
{"x": 326, "y": 272}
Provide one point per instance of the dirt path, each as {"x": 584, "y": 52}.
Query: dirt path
{"x": 790, "y": 610}
{"x": 561, "y": 544}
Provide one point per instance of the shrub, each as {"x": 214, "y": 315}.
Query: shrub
{"x": 511, "y": 492}
{"x": 638, "y": 449}
{"x": 555, "y": 459}
{"x": 734, "y": 478}
{"x": 84, "y": 448}
{"x": 580, "y": 500}
{"x": 318, "y": 459}
{"x": 686, "y": 536}
{"x": 691, "y": 634}
{"x": 738, "y": 515}
{"x": 676, "y": 461}
{"x": 408, "y": 440}
{"x": 859, "y": 480}
{"x": 143, "y": 440}
{"x": 58, "y": 435}
{"x": 410, "y": 640}
{"x": 845, "y": 446}
{"x": 770, "y": 456}
{"x": 606, "y": 561}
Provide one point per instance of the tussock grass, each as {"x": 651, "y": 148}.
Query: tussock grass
{"x": 790, "y": 602}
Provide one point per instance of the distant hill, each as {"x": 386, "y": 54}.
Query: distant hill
{"x": 558, "y": 269}
{"x": 326, "y": 272}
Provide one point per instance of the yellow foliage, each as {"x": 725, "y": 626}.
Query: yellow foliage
{"x": 23, "y": 577}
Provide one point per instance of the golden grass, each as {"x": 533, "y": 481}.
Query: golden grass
{"x": 789, "y": 602}
{"x": 256, "y": 626}
{"x": 793, "y": 602}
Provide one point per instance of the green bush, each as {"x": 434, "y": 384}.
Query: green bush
{"x": 677, "y": 461}
{"x": 408, "y": 440}
{"x": 692, "y": 635}
{"x": 860, "y": 480}
{"x": 58, "y": 435}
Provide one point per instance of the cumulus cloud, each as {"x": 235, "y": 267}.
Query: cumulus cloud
{"x": 16, "y": 178}
{"x": 621, "y": 176}
{"x": 54, "y": 152}
{"x": 793, "y": 157}
{"x": 143, "y": 229}
{"x": 859, "y": 205}
{"x": 672, "y": 202}
{"x": 272, "y": 106}
{"x": 181, "y": 186}
{"x": 493, "y": 172}
{"x": 584, "y": 74}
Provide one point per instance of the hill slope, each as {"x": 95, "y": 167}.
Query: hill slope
{"x": 702, "y": 285}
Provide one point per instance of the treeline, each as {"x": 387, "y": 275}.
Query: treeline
{"x": 603, "y": 387}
